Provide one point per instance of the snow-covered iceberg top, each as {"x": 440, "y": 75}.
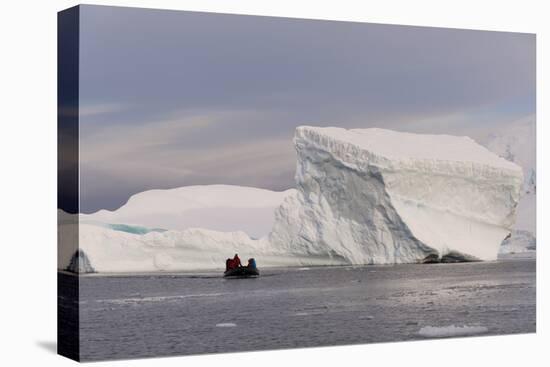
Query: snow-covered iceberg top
{"x": 224, "y": 208}
{"x": 381, "y": 196}
{"x": 388, "y": 148}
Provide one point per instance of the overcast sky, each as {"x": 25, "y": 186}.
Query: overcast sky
{"x": 171, "y": 98}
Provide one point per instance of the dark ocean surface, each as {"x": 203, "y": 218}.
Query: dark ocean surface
{"x": 145, "y": 315}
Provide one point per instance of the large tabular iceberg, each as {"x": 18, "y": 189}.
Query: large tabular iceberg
{"x": 375, "y": 196}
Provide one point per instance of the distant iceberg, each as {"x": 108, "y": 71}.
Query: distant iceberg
{"x": 368, "y": 196}
{"x": 516, "y": 143}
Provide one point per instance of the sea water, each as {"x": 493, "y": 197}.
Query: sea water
{"x": 144, "y": 315}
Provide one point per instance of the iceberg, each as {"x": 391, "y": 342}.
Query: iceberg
{"x": 519, "y": 242}
{"x": 376, "y": 196}
{"x": 186, "y": 228}
{"x": 105, "y": 250}
{"x": 223, "y": 208}
{"x": 363, "y": 196}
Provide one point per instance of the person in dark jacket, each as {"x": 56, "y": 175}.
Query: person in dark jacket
{"x": 251, "y": 263}
{"x": 228, "y": 264}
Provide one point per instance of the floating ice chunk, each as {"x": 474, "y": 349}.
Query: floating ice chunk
{"x": 366, "y": 317}
{"x": 450, "y": 331}
{"x": 226, "y": 324}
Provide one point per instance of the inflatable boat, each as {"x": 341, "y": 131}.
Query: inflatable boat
{"x": 242, "y": 272}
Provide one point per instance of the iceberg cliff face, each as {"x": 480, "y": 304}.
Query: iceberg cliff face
{"x": 375, "y": 196}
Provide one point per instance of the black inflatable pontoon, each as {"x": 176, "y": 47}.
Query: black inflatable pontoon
{"x": 242, "y": 272}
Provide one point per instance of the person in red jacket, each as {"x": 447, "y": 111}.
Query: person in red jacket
{"x": 233, "y": 263}
{"x": 236, "y": 261}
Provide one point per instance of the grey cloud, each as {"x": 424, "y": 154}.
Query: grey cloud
{"x": 163, "y": 90}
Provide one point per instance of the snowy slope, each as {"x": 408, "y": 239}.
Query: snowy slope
{"x": 223, "y": 208}
{"x": 516, "y": 143}
{"x": 380, "y": 196}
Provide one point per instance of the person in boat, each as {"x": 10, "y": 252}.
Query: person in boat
{"x": 251, "y": 263}
{"x": 236, "y": 261}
